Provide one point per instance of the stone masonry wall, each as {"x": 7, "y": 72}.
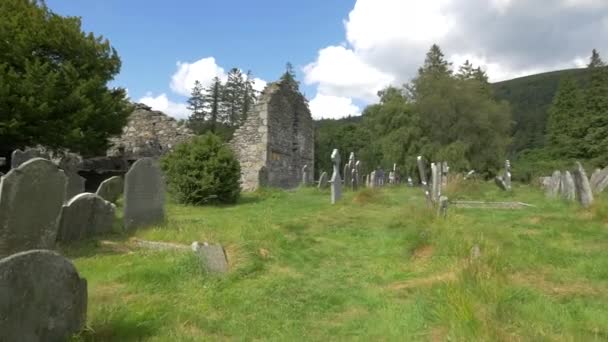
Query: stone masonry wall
{"x": 148, "y": 133}
{"x": 276, "y": 140}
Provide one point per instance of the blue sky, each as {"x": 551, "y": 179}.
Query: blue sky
{"x": 344, "y": 51}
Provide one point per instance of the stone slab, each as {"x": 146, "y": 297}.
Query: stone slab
{"x": 213, "y": 257}
{"x": 42, "y": 298}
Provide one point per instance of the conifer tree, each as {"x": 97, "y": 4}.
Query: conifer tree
{"x": 595, "y": 61}
{"x": 435, "y": 63}
{"x": 197, "y": 107}
{"x": 466, "y": 71}
{"x": 213, "y": 98}
{"x": 564, "y": 121}
{"x": 595, "y": 119}
{"x": 249, "y": 96}
{"x": 232, "y": 100}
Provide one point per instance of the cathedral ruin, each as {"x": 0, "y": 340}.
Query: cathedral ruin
{"x": 276, "y": 140}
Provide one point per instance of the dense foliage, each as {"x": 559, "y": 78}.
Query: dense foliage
{"x": 53, "y": 82}
{"x": 202, "y": 171}
{"x": 441, "y": 115}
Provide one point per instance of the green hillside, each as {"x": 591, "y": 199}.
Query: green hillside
{"x": 530, "y": 97}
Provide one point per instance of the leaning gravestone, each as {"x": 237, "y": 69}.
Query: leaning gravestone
{"x": 347, "y": 175}
{"x": 144, "y": 194}
{"x": 553, "y": 187}
{"x": 111, "y": 189}
{"x": 601, "y": 181}
{"x": 567, "y": 187}
{"x": 593, "y": 180}
{"x": 305, "y": 175}
{"x": 421, "y": 171}
{"x": 323, "y": 182}
{"x": 583, "y": 189}
{"x": 42, "y": 298}
{"x": 19, "y": 157}
{"x": 85, "y": 216}
{"x": 336, "y": 182}
{"x": 31, "y": 197}
{"x": 213, "y": 257}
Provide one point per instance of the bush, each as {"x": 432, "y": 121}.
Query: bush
{"x": 202, "y": 171}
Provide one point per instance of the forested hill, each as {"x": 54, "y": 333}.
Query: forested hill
{"x": 530, "y": 98}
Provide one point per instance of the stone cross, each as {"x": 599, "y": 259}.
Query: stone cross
{"x": 305, "y": 175}
{"x": 421, "y": 171}
{"x": 336, "y": 182}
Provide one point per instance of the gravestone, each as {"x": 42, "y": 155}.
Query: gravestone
{"x": 323, "y": 181}
{"x": 70, "y": 163}
{"x": 42, "y": 298}
{"x": 213, "y": 257}
{"x": 84, "y": 216}
{"x": 355, "y": 180}
{"x": 469, "y": 174}
{"x": 581, "y": 183}
{"x": 445, "y": 170}
{"x": 305, "y": 175}
{"x": 442, "y": 208}
{"x": 19, "y": 157}
{"x": 367, "y": 181}
{"x": 601, "y": 181}
{"x": 391, "y": 178}
{"x": 372, "y": 179}
{"x": 500, "y": 183}
{"x": 358, "y": 174}
{"x": 567, "y": 187}
{"x": 507, "y": 175}
{"x": 593, "y": 180}
{"x": 336, "y": 182}
{"x": 31, "y": 197}
{"x": 435, "y": 182}
{"x": 410, "y": 182}
{"x": 111, "y": 189}
{"x": 347, "y": 175}
{"x": 144, "y": 195}
{"x": 553, "y": 187}
{"x": 421, "y": 171}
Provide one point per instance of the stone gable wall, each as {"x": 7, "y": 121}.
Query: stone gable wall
{"x": 276, "y": 140}
{"x": 148, "y": 133}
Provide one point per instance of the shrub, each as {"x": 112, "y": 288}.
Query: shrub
{"x": 202, "y": 171}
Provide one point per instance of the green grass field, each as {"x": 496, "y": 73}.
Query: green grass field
{"x": 377, "y": 266}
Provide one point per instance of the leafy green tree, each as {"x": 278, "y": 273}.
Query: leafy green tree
{"x": 564, "y": 131}
{"x": 54, "y": 82}
{"x": 595, "y": 61}
{"x": 203, "y": 171}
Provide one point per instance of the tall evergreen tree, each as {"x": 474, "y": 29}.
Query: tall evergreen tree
{"x": 596, "y": 116}
{"x": 232, "y": 100}
{"x": 197, "y": 107}
{"x": 595, "y": 61}
{"x": 435, "y": 63}
{"x": 564, "y": 121}
{"x": 213, "y": 99}
{"x": 466, "y": 71}
{"x": 289, "y": 76}
{"x": 249, "y": 96}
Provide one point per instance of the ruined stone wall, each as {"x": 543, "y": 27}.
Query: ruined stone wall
{"x": 276, "y": 141}
{"x": 148, "y": 133}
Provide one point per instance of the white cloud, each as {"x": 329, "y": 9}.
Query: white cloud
{"x": 163, "y": 104}
{"x": 332, "y": 107}
{"x": 386, "y": 40}
{"x": 339, "y": 72}
{"x": 203, "y": 70}
{"x": 259, "y": 84}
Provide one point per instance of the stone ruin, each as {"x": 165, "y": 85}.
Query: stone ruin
{"x": 148, "y": 133}
{"x": 276, "y": 140}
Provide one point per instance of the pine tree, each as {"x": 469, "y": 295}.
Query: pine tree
{"x": 249, "y": 96}
{"x": 596, "y": 116}
{"x": 213, "y": 99}
{"x": 435, "y": 63}
{"x": 466, "y": 71}
{"x": 595, "y": 61}
{"x": 197, "y": 106}
{"x": 289, "y": 77}
{"x": 232, "y": 101}
{"x": 564, "y": 121}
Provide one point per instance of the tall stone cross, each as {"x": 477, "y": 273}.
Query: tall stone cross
{"x": 336, "y": 181}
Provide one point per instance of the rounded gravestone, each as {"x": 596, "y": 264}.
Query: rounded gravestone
{"x": 144, "y": 194}
{"x": 42, "y": 299}
{"x": 111, "y": 189}
{"x": 84, "y": 216}
{"x": 31, "y": 197}
{"x": 19, "y": 157}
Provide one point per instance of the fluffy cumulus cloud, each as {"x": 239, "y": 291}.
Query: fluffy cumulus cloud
{"x": 386, "y": 40}
{"x": 203, "y": 70}
{"x": 163, "y": 104}
{"x": 332, "y": 107}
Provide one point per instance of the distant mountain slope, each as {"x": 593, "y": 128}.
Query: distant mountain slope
{"x": 530, "y": 98}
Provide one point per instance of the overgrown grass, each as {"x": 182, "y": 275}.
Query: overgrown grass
{"x": 377, "y": 266}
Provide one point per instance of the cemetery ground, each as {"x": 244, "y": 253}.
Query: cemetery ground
{"x": 378, "y": 265}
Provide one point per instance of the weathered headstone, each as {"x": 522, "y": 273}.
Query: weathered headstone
{"x": 367, "y": 181}
{"x": 305, "y": 175}
{"x": 507, "y": 176}
{"x": 70, "y": 163}
{"x": 31, "y": 197}
{"x": 552, "y": 190}
{"x": 435, "y": 182}
{"x": 372, "y": 179}
{"x": 358, "y": 175}
{"x": 213, "y": 257}
{"x": 84, "y": 216}
{"x": 601, "y": 181}
{"x": 421, "y": 171}
{"x": 19, "y": 157}
{"x": 355, "y": 179}
{"x": 442, "y": 208}
{"x": 500, "y": 182}
{"x": 410, "y": 182}
{"x": 583, "y": 189}
{"x": 347, "y": 175}
{"x": 445, "y": 170}
{"x": 567, "y": 187}
{"x": 593, "y": 180}
{"x": 42, "y": 297}
{"x": 111, "y": 189}
{"x": 336, "y": 182}
{"x": 391, "y": 178}
{"x": 323, "y": 183}
{"x": 144, "y": 194}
